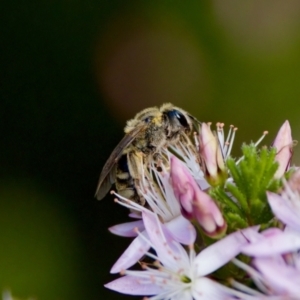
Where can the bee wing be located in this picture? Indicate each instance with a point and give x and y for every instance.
(105, 181)
(107, 176)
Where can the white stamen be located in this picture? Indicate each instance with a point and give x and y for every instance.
(255, 144)
(244, 288)
(226, 146)
(257, 278)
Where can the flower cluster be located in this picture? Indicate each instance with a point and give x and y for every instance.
(214, 227)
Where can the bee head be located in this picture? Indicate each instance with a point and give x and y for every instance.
(176, 121)
(151, 116)
(177, 118)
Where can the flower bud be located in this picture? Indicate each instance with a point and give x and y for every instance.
(195, 203)
(284, 145)
(211, 155)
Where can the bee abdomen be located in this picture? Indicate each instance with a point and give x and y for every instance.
(124, 181)
(126, 189)
(123, 176)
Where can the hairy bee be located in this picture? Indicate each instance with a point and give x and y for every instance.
(145, 135)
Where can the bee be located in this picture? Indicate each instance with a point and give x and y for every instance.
(145, 135)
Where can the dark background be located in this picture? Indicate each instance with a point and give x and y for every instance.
(72, 72)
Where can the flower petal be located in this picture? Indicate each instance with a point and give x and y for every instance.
(287, 279)
(182, 183)
(208, 149)
(135, 215)
(206, 289)
(221, 252)
(194, 202)
(132, 286)
(127, 229)
(208, 214)
(279, 243)
(283, 143)
(167, 249)
(132, 254)
(283, 211)
(182, 230)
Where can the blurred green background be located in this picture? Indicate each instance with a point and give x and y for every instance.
(72, 73)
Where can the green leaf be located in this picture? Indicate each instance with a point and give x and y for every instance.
(243, 200)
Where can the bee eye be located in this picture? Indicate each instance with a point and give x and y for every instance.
(148, 119)
(180, 117)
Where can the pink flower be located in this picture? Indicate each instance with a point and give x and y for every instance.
(286, 207)
(161, 202)
(272, 241)
(194, 202)
(176, 274)
(276, 263)
(273, 276)
(284, 145)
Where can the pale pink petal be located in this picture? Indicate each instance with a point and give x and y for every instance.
(292, 187)
(221, 252)
(135, 215)
(183, 295)
(182, 184)
(267, 233)
(282, 278)
(186, 197)
(132, 254)
(165, 246)
(127, 229)
(206, 289)
(255, 237)
(284, 211)
(133, 286)
(208, 214)
(283, 143)
(212, 154)
(182, 230)
(194, 202)
(282, 242)
(208, 149)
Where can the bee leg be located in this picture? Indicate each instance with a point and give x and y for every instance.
(139, 198)
(128, 193)
(159, 159)
(135, 165)
(136, 169)
(157, 156)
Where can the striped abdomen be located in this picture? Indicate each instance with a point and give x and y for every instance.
(124, 181)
